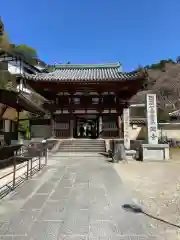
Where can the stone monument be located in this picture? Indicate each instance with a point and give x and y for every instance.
(126, 128)
(153, 150)
(128, 152)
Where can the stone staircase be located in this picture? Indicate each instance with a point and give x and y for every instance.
(82, 145)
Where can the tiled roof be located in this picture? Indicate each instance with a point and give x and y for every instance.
(18, 100)
(94, 72)
(137, 121)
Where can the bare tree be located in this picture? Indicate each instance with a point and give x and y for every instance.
(167, 87)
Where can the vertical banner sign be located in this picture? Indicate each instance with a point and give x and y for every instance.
(152, 119)
(126, 128)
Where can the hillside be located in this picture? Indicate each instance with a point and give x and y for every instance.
(165, 82)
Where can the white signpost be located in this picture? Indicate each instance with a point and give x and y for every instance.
(126, 128)
(152, 119)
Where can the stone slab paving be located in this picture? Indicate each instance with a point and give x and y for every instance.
(76, 197)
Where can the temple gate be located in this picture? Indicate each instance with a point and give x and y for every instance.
(89, 97)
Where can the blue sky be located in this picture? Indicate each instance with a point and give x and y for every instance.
(96, 31)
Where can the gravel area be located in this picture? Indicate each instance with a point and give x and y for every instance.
(156, 187)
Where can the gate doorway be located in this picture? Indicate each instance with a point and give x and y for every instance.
(86, 127)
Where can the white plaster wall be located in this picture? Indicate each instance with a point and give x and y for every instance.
(7, 125)
(14, 67)
(135, 131)
(170, 133)
(141, 131)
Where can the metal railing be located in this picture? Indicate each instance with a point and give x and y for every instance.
(31, 158)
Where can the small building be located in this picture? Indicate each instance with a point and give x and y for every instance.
(14, 98)
(85, 100)
(11, 104)
(16, 65)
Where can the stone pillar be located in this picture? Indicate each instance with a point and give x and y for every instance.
(153, 150)
(100, 125)
(126, 128)
(152, 127)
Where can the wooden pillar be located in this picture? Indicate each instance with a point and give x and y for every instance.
(18, 125)
(71, 125)
(53, 125)
(100, 102)
(119, 120)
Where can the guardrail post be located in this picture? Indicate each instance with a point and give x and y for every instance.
(31, 161)
(39, 162)
(46, 155)
(27, 169)
(14, 172)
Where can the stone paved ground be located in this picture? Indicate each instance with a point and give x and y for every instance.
(156, 187)
(75, 197)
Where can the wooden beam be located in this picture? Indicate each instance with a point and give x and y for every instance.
(53, 107)
(81, 86)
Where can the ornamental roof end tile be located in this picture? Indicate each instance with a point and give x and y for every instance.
(86, 72)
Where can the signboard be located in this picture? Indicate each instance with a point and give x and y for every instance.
(152, 119)
(126, 128)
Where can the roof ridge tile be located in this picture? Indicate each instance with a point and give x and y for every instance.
(87, 66)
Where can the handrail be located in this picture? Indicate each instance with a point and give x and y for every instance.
(30, 156)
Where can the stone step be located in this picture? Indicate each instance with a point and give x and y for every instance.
(87, 148)
(89, 155)
(82, 145)
(87, 142)
(66, 144)
(92, 144)
(76, 151)
(93, 147)
(82, 150)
